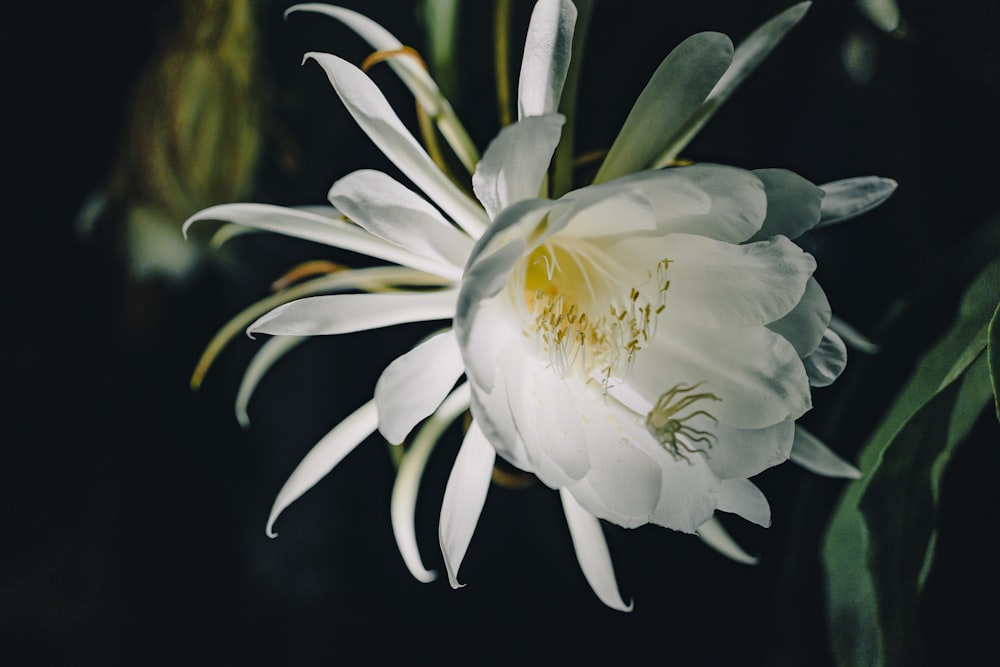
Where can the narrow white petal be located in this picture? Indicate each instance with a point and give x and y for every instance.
(491, 412)
(738, 201)
(346, 313)
(547, 51)
(827, 361)
(604, 211)
(311, 226)
(676, 90)
(411, 470)
(409, 70)
(389, 210)
(373, 114)
(413, 385)
(550, 416)
(268, 354)
(373, 278)
(516, 161)
(748, 55)
(715, 536)
(742, 497)
(852, 197)
(810, 453)
(793, 204)
(323, 457)
(634, 480)
(464, 497)
(592, 552)
(852, 337)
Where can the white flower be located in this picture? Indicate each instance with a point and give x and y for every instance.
(644, 344)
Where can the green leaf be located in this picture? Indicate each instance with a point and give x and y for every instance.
(974, 312)
(899, 506)
(440, 18)
(994, 358)
(880, 542)
(674, 93)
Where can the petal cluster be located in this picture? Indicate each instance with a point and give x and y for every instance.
(624, 342)
(643, 344)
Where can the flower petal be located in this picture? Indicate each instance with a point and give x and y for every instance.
(714, 535)
(747, 452)
(323, 457)
(827, 361)
(755, 372)
(547, 51)
(387, 209)
(676, 90)
(492, 259)
(346, 313)
(516, 161)
(810, 453)
(403, 502)
(742, 497)
(320, 228)
(378, 277)
(268, 354)
(805, 325)
(548, 416)
(720, 284)
(464, 497)
(748, 55)
(373, 114)
(410, 71)
(852, 197)
(413, 386)
(592, 552)
(793, 204)
(716, 201)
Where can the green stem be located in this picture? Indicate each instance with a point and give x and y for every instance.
(562, 173)
(502, 17)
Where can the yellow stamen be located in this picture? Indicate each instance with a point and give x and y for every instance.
(562, 290)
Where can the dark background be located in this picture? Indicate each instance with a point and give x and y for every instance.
(133, 509)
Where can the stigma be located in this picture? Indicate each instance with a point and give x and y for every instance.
(672, 430)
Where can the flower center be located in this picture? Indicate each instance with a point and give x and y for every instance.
(582, 314)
